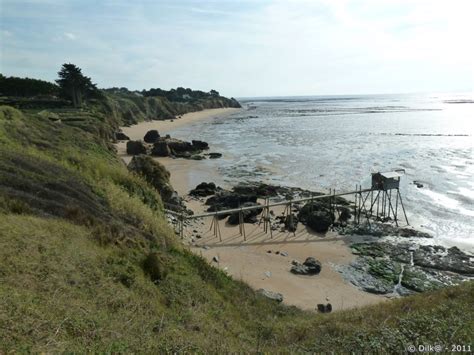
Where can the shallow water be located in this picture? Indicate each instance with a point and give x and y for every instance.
(336, 142)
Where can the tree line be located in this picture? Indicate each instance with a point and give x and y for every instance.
(74, 86)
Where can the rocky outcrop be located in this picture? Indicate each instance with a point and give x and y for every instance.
(135, 148)
(164, 147)
(161, 149)
(199, 145)
(204, 189)
(226, 200)
(382, 230)
(249, 216)
(311, 266)
(317, 215)
(404, 268)
(151, 136)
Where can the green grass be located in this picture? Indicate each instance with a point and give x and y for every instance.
(88, 263)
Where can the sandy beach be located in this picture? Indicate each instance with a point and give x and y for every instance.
(258, 260)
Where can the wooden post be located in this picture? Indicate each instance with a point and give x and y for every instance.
(403, 207)
(355, 206)
(396, 207)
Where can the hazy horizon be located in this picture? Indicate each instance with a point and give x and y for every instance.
(246, 49)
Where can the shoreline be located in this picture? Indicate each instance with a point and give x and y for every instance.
(264, 261)
(185, 173)
(250, 261)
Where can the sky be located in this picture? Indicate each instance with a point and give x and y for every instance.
(245, 48)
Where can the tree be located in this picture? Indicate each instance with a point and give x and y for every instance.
(74, 85)
(214, 93)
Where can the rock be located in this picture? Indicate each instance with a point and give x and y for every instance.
(120, 136)
(198, 236)
(418, 184)
(178, 147)
(205, 247)
(324, 308)
(381, 265)
(271, 295)
(319, 221)
(310, 267)
(199, 145)
(151, 136)
(317, 215)
(382, 230)
(268, 274)
(284, 253)
(215, 259)
(249, 216)
(344, 213)
(440, 258)
(313, 266)
(204, 189)
(197, 157)
(135, 148)
(269, 251)
(227, 200)
(161, 149)
(291, 223)
(214, 155)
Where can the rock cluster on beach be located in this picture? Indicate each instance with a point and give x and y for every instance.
(311, 266)
(156, 145)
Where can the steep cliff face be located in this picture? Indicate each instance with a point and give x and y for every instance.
(132, 108)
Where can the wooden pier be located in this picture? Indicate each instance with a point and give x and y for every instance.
(377, 203)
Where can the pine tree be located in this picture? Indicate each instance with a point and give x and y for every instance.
(74, 85)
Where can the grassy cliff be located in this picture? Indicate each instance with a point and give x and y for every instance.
(88, 262)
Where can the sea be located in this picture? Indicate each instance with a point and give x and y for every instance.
(335, 142)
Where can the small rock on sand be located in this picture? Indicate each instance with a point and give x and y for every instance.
(271, 295)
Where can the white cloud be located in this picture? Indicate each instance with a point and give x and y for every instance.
(250, 48)
(70, 36)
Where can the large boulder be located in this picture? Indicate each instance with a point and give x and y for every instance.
(178, 146)
(161, 149)
(135, 148)
(249, 216)
(153, 172)
(319, 221)
(204, 189)
(317, 215)
(151, 136)
(200, 145)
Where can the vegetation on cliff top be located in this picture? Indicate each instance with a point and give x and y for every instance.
(88, 262)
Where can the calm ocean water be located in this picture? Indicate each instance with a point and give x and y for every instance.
(324, 142)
